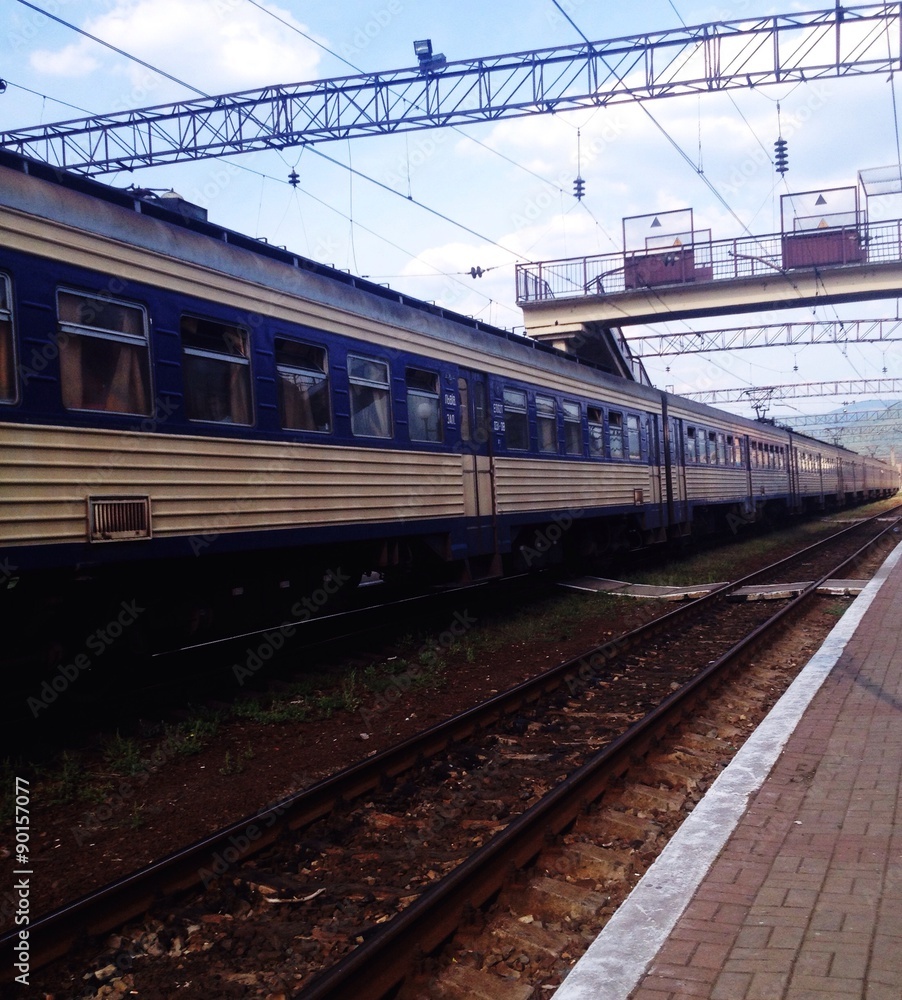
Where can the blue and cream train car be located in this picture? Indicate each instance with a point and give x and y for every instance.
(198, 422)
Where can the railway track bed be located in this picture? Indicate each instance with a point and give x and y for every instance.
(234, 938)
(307, 900)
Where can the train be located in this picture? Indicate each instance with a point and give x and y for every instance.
(200, 430)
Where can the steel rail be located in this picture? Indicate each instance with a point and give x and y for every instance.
(382, 962)
(55, 933)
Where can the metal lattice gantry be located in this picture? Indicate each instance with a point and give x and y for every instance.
(861, 420)
(798, 334)
(801, 390)
(717, 56)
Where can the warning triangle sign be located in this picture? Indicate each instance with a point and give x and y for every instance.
(823, 224)
(677, 242)
(821, 200)
(656, 224)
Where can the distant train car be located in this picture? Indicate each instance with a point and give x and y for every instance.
(211, 430)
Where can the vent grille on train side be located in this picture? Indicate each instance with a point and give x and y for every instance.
(113, 519)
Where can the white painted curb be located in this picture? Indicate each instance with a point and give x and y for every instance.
(615, 962)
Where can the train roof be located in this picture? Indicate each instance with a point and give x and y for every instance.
(173, 212)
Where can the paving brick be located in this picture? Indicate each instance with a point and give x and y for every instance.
(823, 986)
(759, 960)
(805, 900)
(753, 936)
(766, 985)
(731, 986)
(811, 962)
(653, 992)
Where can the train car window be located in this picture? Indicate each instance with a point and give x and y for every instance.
(596, 432)
(104, 354)
(546, 424)
(712, 447)
(655, 441)
(615, 434)
(217, 371)
(8, 386)
(721, 449)
(633, 437)
(515, 420)
(480, 412)
(368, 379)
(424, 418)
(302, 372)
(573, 431)
(691, 451)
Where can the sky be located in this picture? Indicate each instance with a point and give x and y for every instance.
(422, 208)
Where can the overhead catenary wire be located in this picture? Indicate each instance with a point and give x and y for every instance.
(201, 93)
(358, 69)
(264, 176)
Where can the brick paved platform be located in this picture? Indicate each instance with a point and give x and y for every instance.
(785, 883)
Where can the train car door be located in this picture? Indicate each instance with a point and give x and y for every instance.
(675, 471)
(476, 461)
(792, 466)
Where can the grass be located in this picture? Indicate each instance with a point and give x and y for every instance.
(185, 739)
(236, 764)
(725, 562)
(123, 755)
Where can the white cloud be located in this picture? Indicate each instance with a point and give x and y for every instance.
(72, 61)
(217, 46)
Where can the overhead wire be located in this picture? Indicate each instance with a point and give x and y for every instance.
(265, 176)
(109, 45)
(348, 167)
(819, 278)
(201, 93)
(682, 153)
(359, 70)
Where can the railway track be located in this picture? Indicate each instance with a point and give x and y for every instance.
(538, 753)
